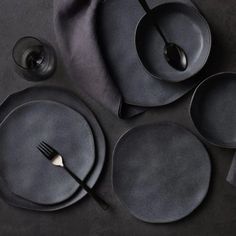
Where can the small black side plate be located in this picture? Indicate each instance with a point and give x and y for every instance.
(213, 109)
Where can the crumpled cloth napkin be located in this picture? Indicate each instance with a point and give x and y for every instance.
(74, 23)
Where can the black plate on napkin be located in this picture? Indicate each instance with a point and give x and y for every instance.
(29, 174)
(116, 25)
(213, 109)
(183, 25)
(161, 172)
(68, 98)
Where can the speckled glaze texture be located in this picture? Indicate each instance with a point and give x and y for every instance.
(161, 172)
(60, 96)
(26, 171)
(215, 216)
(116, 37)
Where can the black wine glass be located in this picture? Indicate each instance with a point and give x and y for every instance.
(35, 59)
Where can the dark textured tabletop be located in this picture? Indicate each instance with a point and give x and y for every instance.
(215, 217)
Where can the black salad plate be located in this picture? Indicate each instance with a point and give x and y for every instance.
(116, 26)
(26, 171)
(161, 172)
(181, 24)
(69, 99)
(213, 109)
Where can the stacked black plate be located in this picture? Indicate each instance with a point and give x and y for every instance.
(133, 50)
(28, 180)
(213, 109)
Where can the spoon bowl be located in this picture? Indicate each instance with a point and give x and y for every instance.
(175, 56)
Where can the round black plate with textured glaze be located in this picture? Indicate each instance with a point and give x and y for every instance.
(161, 172)
(181, 24)
(116, 26)
(26, 171)
(213, 109)
(71, 100)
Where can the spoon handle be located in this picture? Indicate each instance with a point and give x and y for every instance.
(150, 14)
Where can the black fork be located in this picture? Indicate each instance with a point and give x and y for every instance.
(56, 159)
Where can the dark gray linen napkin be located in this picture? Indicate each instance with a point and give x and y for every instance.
(74, 22)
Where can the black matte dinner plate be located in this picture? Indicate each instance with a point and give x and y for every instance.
(161, 172)
(181, 24)
(25, 170)
(116, 26)
(213, 109)
(70, 99)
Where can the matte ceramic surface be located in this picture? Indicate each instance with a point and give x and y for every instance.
(70, 99)
(161, 172)
(181, 24)
(116, 25)
(28, 173)
(213, 109)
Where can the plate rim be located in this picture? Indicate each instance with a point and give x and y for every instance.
(211, 77)
(157, 124)
(100, 143)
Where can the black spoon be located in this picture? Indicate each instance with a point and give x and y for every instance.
(174, 54)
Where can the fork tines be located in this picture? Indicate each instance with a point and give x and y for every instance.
(48, 151)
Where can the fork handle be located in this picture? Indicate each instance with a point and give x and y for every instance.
(99, 200)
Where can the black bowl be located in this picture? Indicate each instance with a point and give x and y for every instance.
(181, 24)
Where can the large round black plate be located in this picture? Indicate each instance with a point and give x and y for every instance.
(213, 109)
(181, 24)
(70, 99)
(29, 174)
(116, 25)
(161, 172)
